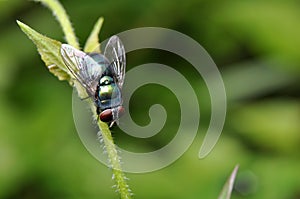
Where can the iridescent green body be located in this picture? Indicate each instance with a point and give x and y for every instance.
(102, 76)
(108, 94)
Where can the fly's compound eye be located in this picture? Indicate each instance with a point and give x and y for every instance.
(106, 115)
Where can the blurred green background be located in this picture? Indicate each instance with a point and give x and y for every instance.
(254, 43)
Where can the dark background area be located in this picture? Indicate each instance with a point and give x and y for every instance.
(255, 45)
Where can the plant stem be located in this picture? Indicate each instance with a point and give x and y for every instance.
(112, 152)
(63, 20)
(114, 159)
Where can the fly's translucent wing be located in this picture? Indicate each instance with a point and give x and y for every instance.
(83, 68)
(115, 53)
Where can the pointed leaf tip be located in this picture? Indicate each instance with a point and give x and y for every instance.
(92, 44)
(227, 189)
(49, 49)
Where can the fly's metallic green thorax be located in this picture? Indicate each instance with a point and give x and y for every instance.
(109, 94)
(102, 76)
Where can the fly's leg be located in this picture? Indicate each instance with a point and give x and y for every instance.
(115, 113)
(111, 124)
(98, 113)
(84, 98)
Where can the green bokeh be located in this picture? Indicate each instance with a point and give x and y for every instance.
(256, 47)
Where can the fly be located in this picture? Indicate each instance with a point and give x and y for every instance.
(101, 75)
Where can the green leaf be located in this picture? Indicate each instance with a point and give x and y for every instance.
(92, 44)
(227, 189)
(49, 50)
